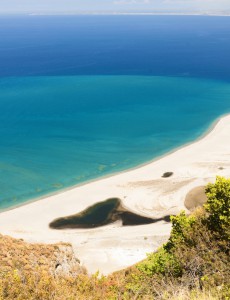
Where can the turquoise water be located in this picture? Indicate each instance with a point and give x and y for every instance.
(85, 96)
(61, 131)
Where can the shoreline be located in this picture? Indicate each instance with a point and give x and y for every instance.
(141, 190)
(210, 128)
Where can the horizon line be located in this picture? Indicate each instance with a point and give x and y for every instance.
(160, 13)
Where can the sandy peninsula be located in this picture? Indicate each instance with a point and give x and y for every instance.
(142, 190)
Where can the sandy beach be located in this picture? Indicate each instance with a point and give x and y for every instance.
(142, 190)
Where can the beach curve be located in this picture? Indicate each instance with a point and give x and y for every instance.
(142, 190)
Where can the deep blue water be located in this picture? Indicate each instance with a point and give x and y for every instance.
(86, 96)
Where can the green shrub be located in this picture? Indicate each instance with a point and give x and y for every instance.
(182, 226)
(161, 262)
(218, 206)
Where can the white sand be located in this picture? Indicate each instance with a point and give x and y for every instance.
(142, 190)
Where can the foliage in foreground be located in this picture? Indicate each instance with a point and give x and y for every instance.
(193, 264)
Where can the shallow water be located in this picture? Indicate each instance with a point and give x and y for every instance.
(61, 126)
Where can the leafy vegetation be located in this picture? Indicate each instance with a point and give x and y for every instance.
(193, 264)
(218, 207)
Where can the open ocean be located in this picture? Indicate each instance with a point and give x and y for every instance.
(85, 96)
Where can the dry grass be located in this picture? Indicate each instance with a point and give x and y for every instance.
(30, 272)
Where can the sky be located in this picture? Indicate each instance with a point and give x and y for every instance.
(78, 6)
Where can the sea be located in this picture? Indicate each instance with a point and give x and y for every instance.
(82, 97)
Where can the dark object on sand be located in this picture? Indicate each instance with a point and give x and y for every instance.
(167, 174)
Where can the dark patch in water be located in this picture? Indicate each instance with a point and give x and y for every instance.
(103, 213)
(130, 219)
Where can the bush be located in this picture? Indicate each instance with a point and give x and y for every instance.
(161, 262)
(182, 226)
(218, 206)
(196, 255)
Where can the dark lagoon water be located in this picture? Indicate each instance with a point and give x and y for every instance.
(103, 213)
(86, 96)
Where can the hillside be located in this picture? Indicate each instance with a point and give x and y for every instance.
(193, 264)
